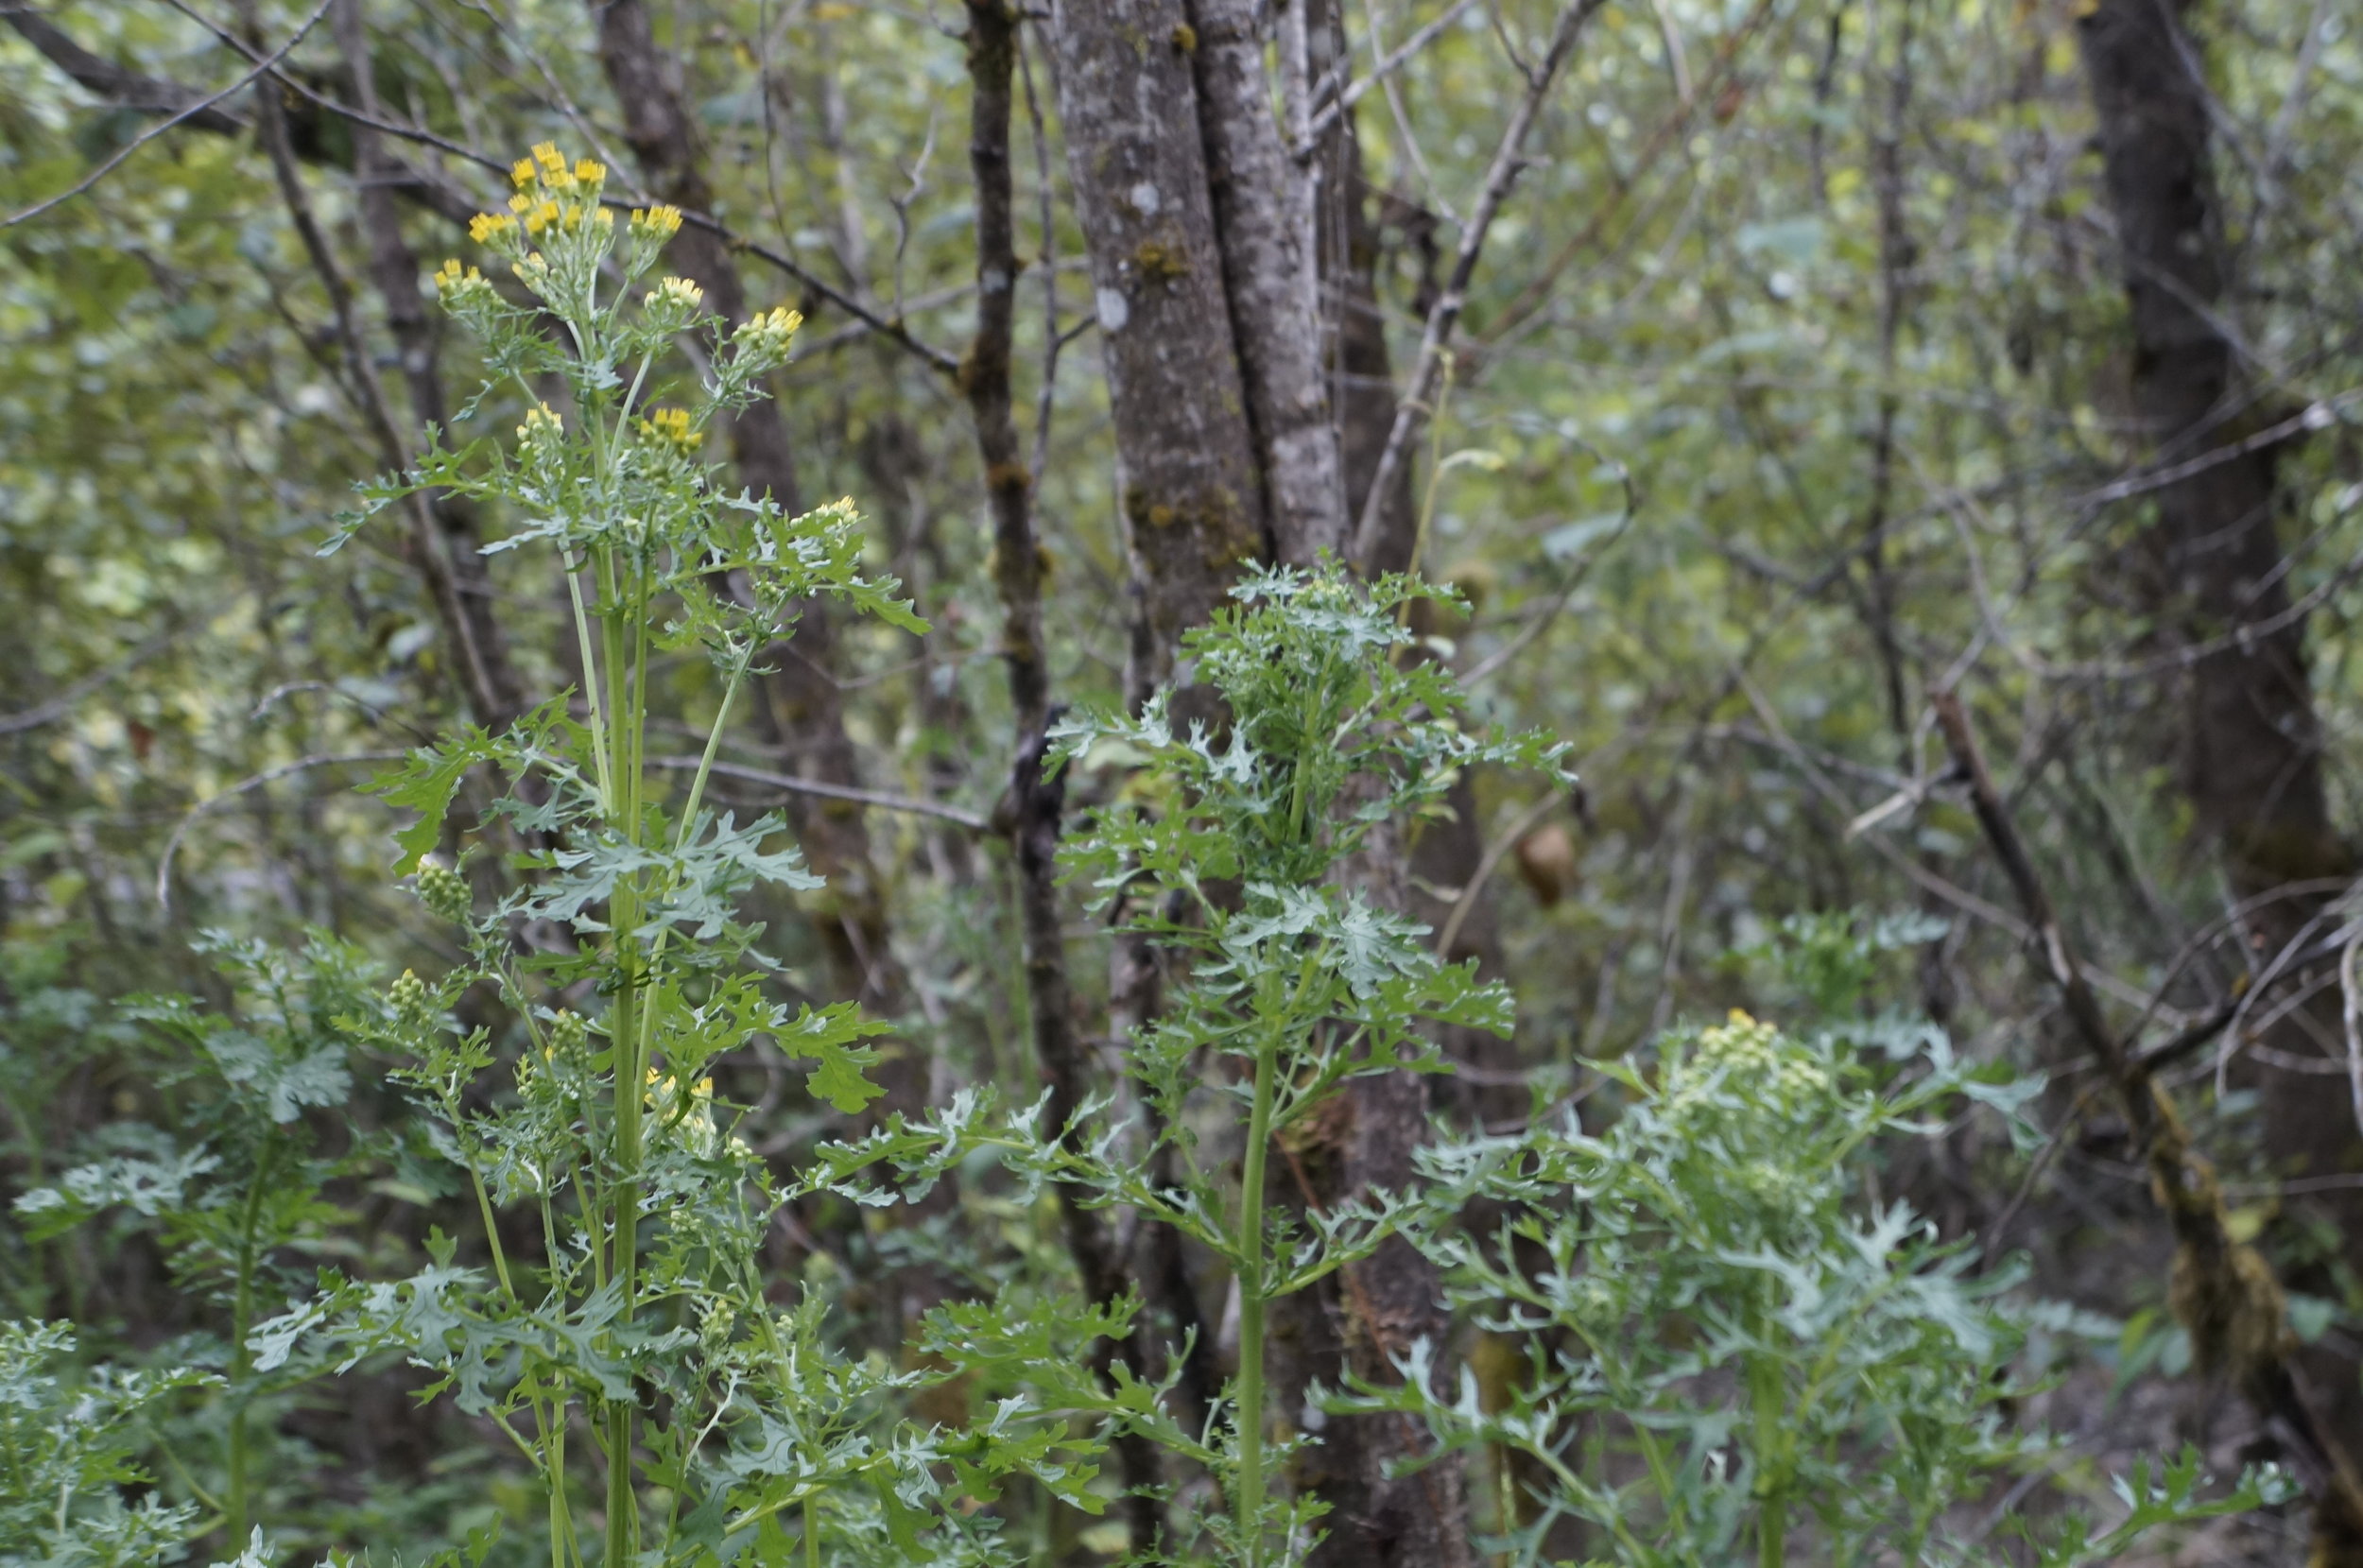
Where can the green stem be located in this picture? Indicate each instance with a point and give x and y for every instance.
(590, 682)
(1771, 1412)
(1251, 1297)
(242, 1359)
(554, 1461)
(630, 1072)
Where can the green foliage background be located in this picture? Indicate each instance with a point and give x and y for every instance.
(1651, 480)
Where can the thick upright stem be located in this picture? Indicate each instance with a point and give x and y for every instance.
(797, 707)
(1254, 1290)
(241, 1364)
(1764, 1394)
(622, 617)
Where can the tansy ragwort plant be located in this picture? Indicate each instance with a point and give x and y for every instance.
(640, 1320)
(236, 1192)
(1733, 1352)
(66, 1446)
(1236, 849)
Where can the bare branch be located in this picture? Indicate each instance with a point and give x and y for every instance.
(188, 112)
(973, 821)
(1427, 373)
(119, 85)
(1332, 109)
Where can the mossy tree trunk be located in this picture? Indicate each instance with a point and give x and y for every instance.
(2216, 569)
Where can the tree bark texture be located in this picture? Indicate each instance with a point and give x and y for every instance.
(2252, 740)
(1363, 1316)
(1263, 206)
(2254, 758)
(1190, 493)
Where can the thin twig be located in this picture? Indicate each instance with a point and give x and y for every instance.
(894, 330)
(1508, 161)
(269, 775)
(1333, 109)
(191, 111)
(971, 820)
(2224, 1292)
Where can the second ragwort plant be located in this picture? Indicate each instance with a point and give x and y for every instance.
(720, 1426)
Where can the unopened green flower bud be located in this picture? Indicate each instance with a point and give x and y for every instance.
(445, 893)
(411, 1000)
(568, 1031)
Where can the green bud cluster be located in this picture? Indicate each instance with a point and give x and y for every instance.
(413, 1003)
(444, 892)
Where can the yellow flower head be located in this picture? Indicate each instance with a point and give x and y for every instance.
(486, 227)
(522, 172)
(552, 160)
(451, 276)
(670, 428)
(589, 171)
(542, 425)
(655, 222)
(768, 332)
(676, 293)
(542, 215)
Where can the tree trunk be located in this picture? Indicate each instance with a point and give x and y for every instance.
(1205, 257)
(2216, 570)
(1191, 497)
(1264, 208)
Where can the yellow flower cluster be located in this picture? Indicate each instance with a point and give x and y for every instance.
(670, 428)
(550, 170)
(768, 332)
(551, 194)
(451, 278)
(545, 214)
(656, 223)
(675, 294)
(1748, 1045)
(542, 425)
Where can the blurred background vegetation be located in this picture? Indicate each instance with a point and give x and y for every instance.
(1797, 376)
